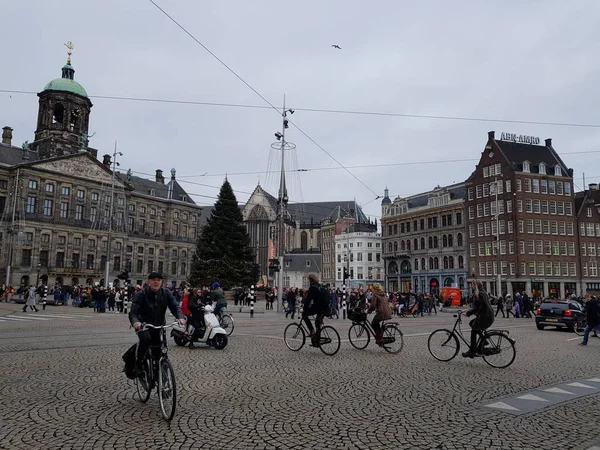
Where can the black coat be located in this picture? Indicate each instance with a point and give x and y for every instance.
(593, 313)
(150, 307)
(482, 309)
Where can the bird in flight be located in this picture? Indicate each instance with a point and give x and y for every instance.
(336, 46)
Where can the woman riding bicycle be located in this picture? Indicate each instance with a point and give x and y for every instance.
(380, 305)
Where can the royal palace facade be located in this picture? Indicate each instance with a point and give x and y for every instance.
(64, 213)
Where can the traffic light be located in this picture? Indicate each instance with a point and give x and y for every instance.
(346, 274)
(274, 265)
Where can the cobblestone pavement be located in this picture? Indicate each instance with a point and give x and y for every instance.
(62, 388)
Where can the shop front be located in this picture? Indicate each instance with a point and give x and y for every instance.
(518, 286)
(553, 290)
(570, 289)
(537, 288)
(434, 286)
(405, 285)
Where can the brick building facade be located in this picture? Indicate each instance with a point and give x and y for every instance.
(522, 220)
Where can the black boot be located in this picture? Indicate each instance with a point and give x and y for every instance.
(472, 351)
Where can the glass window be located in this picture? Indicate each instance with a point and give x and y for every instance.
(49, 187)
(48, 207)
(80, 194)
(64, 209)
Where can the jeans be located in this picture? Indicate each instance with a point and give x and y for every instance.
(586, 332)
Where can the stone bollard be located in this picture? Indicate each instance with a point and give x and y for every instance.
(344, 300)
(125, 294)
(44, 298)
(252, 297)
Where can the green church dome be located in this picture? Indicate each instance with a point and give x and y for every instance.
(66, 83)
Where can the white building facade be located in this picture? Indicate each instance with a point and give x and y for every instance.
(360, 253)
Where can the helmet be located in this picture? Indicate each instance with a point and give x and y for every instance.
(216, 285)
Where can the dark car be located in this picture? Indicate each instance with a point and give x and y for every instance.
(558, 313)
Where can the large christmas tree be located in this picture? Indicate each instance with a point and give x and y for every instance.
(223, 250)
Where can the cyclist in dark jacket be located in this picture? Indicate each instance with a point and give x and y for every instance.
(484, 316)
(150, 306)
(314, 303)
(592, 310)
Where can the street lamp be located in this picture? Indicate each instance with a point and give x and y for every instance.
(37, 281)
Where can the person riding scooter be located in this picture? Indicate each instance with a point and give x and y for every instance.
(196, 321)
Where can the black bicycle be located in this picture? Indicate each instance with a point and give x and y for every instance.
(158, 372)
(360, 333)
(326, 338)
(492, 345)
(226, 321)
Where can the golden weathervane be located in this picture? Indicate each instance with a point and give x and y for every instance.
(70, 48)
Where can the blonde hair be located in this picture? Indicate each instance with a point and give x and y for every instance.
(376, 289)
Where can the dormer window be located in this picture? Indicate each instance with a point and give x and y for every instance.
(526, 166)
(542, 169)
(557, 171)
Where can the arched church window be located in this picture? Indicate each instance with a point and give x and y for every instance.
(74, 120)
(58, 113)
(304, 240)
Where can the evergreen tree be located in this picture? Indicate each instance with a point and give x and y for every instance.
(223, 250)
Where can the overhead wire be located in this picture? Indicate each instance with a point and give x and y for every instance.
(172, 19)
(327, 111)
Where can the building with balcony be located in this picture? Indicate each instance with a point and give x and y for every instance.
(57, 221)
(424, 245)
(522, 219)
(358, 250)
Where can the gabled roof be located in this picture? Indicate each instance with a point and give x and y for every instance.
(170, 191)
(316, 212)
(297, 262)
(11, 155)
(517, 153)
(587, 198)
(456, 191)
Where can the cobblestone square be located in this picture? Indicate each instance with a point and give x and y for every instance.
(62, 388)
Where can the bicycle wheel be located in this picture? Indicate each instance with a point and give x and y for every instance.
(580, 325)
(167, 393)
(392, 340)
(359, 336)
(329, 340)
(498, 349)
(443, 345)
(227, 324)
(143, 385)
(294, 337)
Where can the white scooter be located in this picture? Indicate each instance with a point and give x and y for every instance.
(212, 334)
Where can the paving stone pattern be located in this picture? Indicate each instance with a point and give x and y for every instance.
(61, 387)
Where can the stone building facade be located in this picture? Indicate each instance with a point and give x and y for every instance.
(424, 240)
(55, 200)
(522, 220)
(358, 250)
(587, 208)
(303, 229)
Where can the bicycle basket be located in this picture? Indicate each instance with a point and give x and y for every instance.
(357, 315)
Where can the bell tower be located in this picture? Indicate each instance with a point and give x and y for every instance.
(63, 115)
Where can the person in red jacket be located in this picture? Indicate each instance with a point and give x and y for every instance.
(185, 307)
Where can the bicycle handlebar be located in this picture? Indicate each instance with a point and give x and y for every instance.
(146, 326)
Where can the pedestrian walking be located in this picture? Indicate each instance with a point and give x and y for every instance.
(500, 306)
(30, 300)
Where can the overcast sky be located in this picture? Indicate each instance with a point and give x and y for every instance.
(513, 60)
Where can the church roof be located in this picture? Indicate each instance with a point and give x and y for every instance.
(170, 191)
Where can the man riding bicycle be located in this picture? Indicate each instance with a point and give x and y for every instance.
(217, 296)
(484, 316)
(315, 302)
(150, 306)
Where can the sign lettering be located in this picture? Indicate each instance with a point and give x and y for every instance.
(520, 138)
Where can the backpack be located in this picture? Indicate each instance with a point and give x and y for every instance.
(325, 301)
(129, 359)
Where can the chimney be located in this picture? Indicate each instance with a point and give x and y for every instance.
(7, 135)
(106, 161)
(159, 177)
(549, 142)
(491, 135)
(593, 186)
